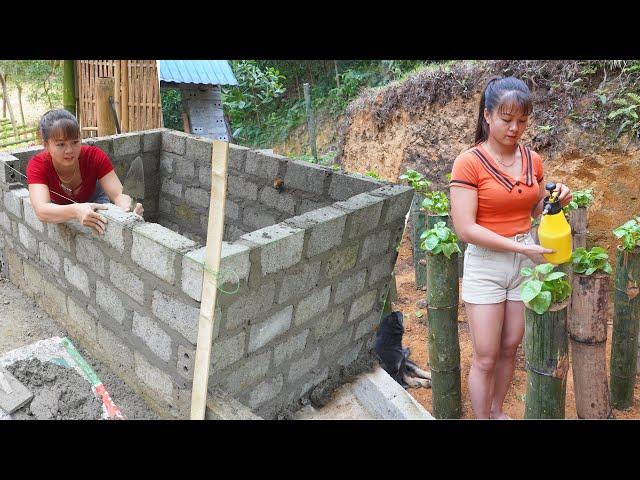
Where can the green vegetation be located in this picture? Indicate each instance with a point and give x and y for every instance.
(543, 287)
(436, 203)
(171, 100)
(629, 232)
(372, 174)
(581, 198)
(416, 181)
(440, 239)
(587, 262)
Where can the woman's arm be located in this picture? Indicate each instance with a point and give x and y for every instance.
(49, 212)
(113, 188)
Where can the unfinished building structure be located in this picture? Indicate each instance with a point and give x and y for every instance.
(303, 275)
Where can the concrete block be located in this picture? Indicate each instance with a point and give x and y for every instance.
(250, 372)
(234, 267)
(306, 176)
(27, 238)
(110, 301)
(165, 206)
(152, 335)
(344, 186)
(301, 367)
(263, 165)
(197, 196)
(375, 244)
(33, 281)
(241, 188)
(312, 304)
(382, 268)
(250, 305)
(155, 248)
(237, 156)
(232, 210)
(305, 205)
(337, 343)
(118, 225)
(280, 246)
(127, 144)
(262, 333)
(77, 276)
(8, 165)
(90, 254)
(227, 351)
(204, 176)
(290, 347)
(166, 163)
(324, 227)
(341, 260)
(350, 286)
(5, 222)
(151, 141)
(180, 316)
(16, 270)
(54, 300)
(104, 143)
(257, 217)
(364, 213)
(174, 142)
(328, 323)
(126, 281)
(154, 378)
(222, 406)
(368, 325)
(300, 282)
(186, 360)
(283, 202)
(13, 200)
(184, 169)
(265, 391)
(351, 355)
(119, 355)
(199, 150)
(79, 322)
(50, 256)
(62, 235)
(362, 305)
(169, 187)
(316, 379)
(397, 203)
(30, 216)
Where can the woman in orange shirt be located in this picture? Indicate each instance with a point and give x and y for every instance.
(496, 187)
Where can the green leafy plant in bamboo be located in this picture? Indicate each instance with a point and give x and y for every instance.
(587, 262)
(629, 232)
(440, 240)
(416, 181)
(436, 203)
(581, 198)
(543, 287)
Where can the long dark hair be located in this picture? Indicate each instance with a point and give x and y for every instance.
(59, 121)
(499, 92)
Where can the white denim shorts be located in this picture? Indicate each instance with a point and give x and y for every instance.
(491, 276)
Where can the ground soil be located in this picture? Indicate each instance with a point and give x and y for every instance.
(415, 337)
(22, 322)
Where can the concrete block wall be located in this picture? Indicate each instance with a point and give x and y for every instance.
(299, 300)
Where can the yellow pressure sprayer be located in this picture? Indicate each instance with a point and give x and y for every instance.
(554, 231)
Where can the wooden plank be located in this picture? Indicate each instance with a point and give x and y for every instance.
(212, 252)
(125, 95)
(104, 90)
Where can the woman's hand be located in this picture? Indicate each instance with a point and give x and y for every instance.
(87, 216)
(138, 210)
(564, 194)
(534, 252)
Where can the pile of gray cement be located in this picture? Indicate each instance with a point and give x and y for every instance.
(59, 393)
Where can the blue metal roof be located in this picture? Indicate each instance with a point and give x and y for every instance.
(203, 72)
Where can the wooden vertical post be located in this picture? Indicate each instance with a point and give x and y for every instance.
(209, 284)
(124, 105)
(69, 93)
(310, 122)
(105, 89)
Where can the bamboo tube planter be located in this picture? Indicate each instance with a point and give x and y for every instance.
(578, 223)
(626, 316)
(547, 361)
(418, 221)
(587, 327)
(443, 344)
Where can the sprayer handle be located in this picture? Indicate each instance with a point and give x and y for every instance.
(551, 186)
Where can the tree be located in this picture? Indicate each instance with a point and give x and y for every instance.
(5, 66)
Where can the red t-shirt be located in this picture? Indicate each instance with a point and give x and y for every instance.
(94, 164)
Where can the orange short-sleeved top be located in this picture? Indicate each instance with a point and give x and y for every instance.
(504, 202)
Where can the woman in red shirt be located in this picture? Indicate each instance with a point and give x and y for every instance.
(496, 187)
(70, 180)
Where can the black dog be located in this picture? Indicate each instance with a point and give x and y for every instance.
(394, 358)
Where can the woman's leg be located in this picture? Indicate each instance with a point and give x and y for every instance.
(512, 332)
(485, 325)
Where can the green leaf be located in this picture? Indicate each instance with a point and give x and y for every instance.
(419, 314)
(431, 242)
(530, 289)
(526, 271)
(590, 270)
(554, 276)
(607, 268)
(540, 304)
(544, 268)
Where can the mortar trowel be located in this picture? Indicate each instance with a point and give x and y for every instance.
(134, 183)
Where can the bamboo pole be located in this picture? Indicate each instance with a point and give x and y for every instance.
(69, 92)
(418, 223)
(212, 253)
(626, 316)
(587, 328)
(124, 82)
(443, 343)
(547, 361)
(578, 223)
(104, 90)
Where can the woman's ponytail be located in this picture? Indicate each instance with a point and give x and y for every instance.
(482, 127)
